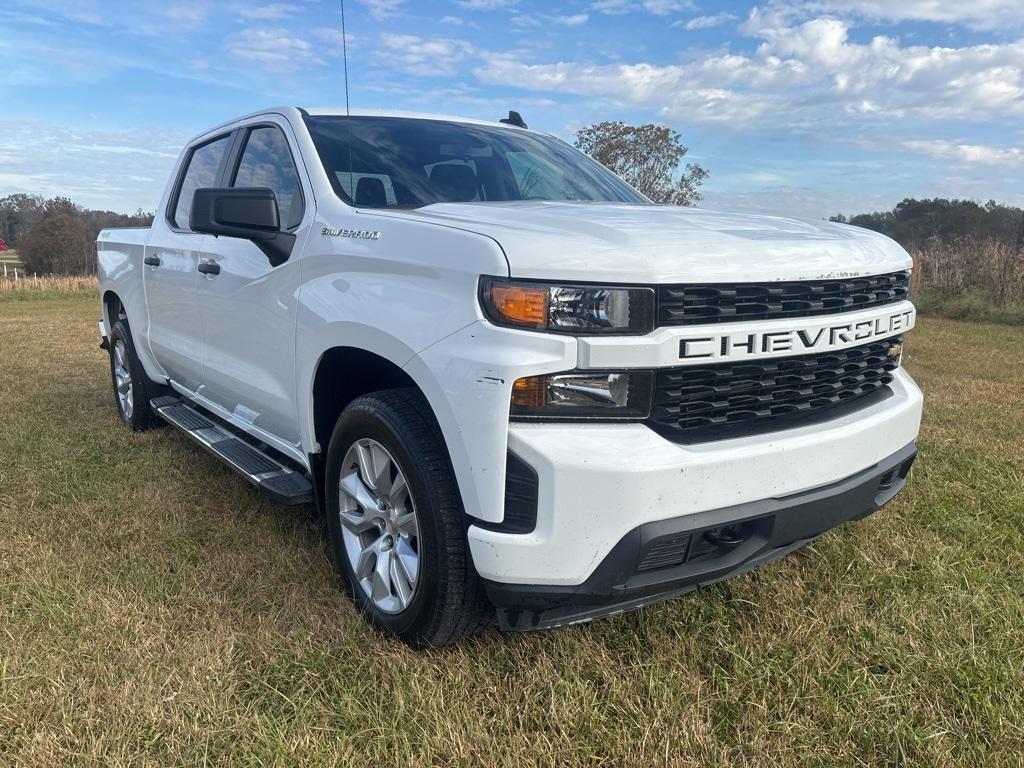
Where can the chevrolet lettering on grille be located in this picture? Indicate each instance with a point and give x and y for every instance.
(731, 346)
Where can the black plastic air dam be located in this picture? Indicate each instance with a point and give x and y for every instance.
(694, 550)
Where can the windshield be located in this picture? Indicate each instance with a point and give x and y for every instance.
(396, 162)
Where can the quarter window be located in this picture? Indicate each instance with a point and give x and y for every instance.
(267, 162)
(203, 165)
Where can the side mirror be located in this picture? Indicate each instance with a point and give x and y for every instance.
(246, 213)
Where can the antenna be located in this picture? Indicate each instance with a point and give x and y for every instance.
(344, 55)
(348, 114)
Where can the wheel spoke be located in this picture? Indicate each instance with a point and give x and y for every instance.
(382, 577)
(398, 491)
(405, 554)
(367, 471)
(382, 470)
(356, 489)
(407, 524)
(367, 559)
(400, 582)
(357, 523)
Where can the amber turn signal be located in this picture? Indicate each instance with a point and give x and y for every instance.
(521, 305)
(530, 392)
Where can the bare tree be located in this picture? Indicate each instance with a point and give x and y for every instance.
(647, 156)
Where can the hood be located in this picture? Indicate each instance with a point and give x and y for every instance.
(609, 242)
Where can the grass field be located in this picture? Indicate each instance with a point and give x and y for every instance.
(155, 610)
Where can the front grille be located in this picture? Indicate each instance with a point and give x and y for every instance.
(733, 302)
(712, 402)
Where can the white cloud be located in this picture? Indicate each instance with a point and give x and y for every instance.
(526, 20)
(271, 11)
(382, 9)
(656, 7)
(334, 37)
(453, 20)
(975, 154)
(707, 22)
(436, 56)
(186, 13)
(977, 14)
(573, 21)
(275, 49)
(119, 170)
(665, 7)
(486, 5)
(612, 7)
(799, 75)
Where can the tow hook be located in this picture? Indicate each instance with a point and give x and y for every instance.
(726, 538)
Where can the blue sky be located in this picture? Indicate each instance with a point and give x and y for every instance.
(797, 107)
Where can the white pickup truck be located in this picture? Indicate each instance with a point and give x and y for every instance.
(517, 389)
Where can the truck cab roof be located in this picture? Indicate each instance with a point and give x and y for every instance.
(296, 113)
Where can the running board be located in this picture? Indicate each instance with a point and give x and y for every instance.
(283, 484)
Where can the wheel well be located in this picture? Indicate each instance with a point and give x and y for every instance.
(114, 308)
(345, 373)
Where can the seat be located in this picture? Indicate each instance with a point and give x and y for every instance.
(370, 193)
(453, 183)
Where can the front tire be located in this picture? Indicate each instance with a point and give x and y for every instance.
(132, 387)
(396, 522)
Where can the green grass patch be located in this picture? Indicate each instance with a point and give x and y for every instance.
(156, 610)
(969, 306)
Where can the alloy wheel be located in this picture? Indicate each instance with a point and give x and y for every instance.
(379, 525)
(123, 379)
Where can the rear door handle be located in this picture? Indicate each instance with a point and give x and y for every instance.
(209, 267)
(151, 261)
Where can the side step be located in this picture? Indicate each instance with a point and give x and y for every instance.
(283, 484)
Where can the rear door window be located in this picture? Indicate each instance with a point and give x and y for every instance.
(203, 165)
(267, 162)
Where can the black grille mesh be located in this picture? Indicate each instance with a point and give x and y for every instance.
(665, 552)
(706, 402)
(729, 302)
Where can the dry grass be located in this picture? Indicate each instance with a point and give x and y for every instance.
(970, 279)
(46, 286)
(155, 610)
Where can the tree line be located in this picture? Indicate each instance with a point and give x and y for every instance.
(55, 236)
(916, 223)
(968, 257)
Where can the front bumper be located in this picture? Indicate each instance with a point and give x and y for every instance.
(597, 482)
(662, 559)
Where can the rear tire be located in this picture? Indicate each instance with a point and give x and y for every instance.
(132, 387)
(396, 522)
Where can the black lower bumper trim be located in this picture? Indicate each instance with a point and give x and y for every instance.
(666, 558)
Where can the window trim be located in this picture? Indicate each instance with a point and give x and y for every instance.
(238, 150)
(179, 182)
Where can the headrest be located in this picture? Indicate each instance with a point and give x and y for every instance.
(453, 183)
(370, 192)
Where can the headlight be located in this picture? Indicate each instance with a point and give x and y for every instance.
(578, 309)
(591, 395)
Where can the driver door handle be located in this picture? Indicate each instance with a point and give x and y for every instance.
(209, 267)
(151, 261)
